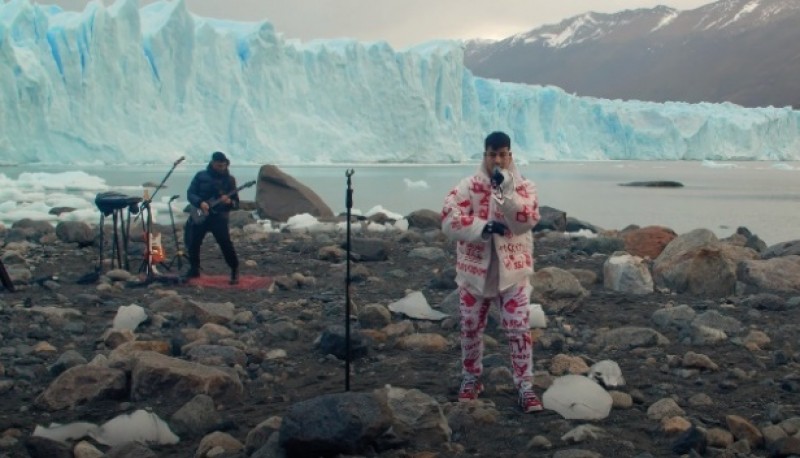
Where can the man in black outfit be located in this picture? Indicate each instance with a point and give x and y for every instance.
(215, 182)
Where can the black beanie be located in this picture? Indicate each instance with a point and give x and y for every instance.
(219, 157)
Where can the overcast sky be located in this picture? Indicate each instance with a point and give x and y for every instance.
(404, 22)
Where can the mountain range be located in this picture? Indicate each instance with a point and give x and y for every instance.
(742, 51)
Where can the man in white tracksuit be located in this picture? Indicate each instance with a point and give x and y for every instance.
(491, 215)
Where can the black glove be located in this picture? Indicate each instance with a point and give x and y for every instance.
(495, 227)
(497, 177)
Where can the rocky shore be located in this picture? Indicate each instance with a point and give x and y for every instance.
(704, 332)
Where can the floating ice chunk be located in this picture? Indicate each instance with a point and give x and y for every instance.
(576, 397)
(608, 373)
(307, 223)
(129, 317)
(139, 426)
(717, 165)
(416, 306)
(64, 433)
(379, 209)
(401, 225)
(411, 184)
(537, 318)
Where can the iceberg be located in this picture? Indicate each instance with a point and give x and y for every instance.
(121, 84)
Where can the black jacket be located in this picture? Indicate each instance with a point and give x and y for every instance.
(209, 184)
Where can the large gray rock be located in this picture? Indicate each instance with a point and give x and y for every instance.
(698, 263)
(424, 219)
(782, 249)
(551, 219)
(158, 377)
(82, 384)
(279, 196)
(343, 423)
(776, 274)
(416, 417)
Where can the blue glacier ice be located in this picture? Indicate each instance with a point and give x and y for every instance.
(123, 84)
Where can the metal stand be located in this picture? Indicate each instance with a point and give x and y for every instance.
(147, 226)
(348, 280)
(115, 204)
(179, 253)
(7, 283)
(147, 265)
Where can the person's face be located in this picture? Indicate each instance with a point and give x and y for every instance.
(500, 157)
(219, 166)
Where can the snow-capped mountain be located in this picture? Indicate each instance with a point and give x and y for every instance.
(741, 51)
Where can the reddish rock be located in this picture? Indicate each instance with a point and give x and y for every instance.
(648, 241)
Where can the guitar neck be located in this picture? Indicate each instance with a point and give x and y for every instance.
(214, 202)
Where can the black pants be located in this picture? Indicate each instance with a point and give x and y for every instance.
(218, 226)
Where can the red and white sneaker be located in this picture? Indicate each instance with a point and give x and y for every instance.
(528, 399)
(471, 387)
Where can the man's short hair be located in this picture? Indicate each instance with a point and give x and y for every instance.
(497, 140)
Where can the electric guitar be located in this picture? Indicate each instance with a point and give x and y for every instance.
(198, 216)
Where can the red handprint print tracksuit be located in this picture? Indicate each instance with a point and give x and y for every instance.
(493, 268)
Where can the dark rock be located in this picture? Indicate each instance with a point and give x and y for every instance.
(765, 301)
(59, 210)
(444, 279)
(654, 184)
(333, 342)
(344, 423)
(39, 447)
(691, 439)
(604, 245)
(782, 249)
(424, 219)
(369, 250)
(551, 219)
(75, 232)
(130, 450)
(575, 225)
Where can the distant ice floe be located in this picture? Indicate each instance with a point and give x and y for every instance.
(718, 165)
(782, 166)
(411, 184)
(33, 195)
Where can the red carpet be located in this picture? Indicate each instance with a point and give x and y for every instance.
(221, 281)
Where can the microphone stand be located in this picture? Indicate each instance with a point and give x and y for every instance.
(7, 283)
(349, 205)
(147, 223)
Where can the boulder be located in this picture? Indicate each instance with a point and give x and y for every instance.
(424, 219)
(551, 219)
(648, 241)
(279, 197)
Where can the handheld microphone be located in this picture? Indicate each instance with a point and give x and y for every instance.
(497, 177)
(180, 159)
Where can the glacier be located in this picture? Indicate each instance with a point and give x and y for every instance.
(121, 84)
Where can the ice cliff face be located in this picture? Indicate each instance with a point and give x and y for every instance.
(120, 84)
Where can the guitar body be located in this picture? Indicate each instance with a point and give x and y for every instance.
(196, 215)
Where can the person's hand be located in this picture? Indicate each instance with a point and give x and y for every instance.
(225, 200)
(204, 207)
(495, 227)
